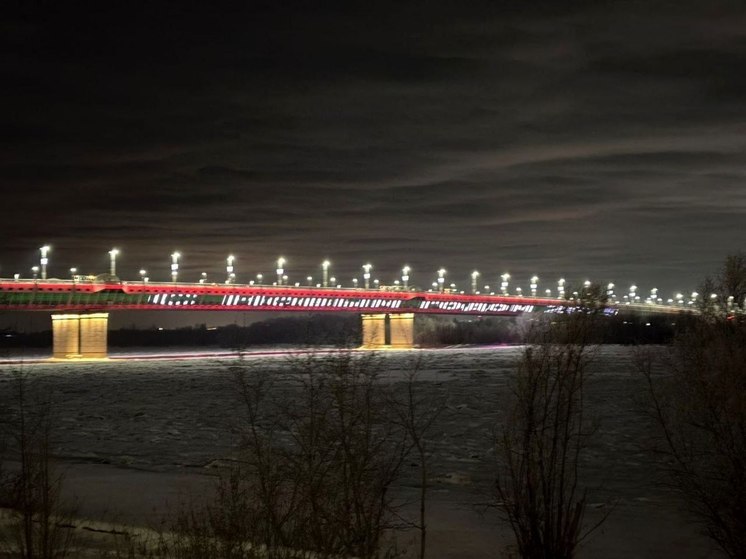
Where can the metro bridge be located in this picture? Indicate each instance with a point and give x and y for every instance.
(80, 308)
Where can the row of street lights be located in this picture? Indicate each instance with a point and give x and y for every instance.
(439, 285)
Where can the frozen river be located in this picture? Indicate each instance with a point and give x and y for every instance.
(176, 417)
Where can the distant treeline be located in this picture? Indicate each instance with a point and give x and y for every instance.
(345, 330)
(627, 330)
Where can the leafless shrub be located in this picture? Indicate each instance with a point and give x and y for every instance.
(539, 487)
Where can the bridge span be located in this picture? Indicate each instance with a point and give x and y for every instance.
(80, 309)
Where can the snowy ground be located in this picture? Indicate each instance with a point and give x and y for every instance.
(134, 434)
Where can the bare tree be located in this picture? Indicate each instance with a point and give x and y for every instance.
(725, 293)
(417, 413)
(538, 486)
(321, 455)
(697, 392)
(40, 526)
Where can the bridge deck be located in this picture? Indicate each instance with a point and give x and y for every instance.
(75, 296)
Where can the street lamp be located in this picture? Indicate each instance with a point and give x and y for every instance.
(366, 275)
(35, 271)
(610, 291)
(376, 283)
(259, 278)
(44, 261)
(354, 283)
(474, 276)
(113, 261)
(441, 279)
(229, 269)
(632, 292)
(504, 279)
(280, 269)
(143, 276)
(405, 277)
(73, 271)
(561, 288)
(333, 280)
(534, 285)
(203, 277)
(325, 273)
(175, 266)
(309, 279)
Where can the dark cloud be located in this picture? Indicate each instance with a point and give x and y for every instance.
(601, 140)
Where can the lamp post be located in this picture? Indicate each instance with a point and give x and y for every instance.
(441, 279)
(259, 278)
(376, 283)
(325, 273)
(44, 261)
(280, 269)
(175, 266)
(333, 281)
(354, 283)
(504, 283)
(229, 269)
(561, 288)
(474, 276)
(534, 285)
(113, 261)
(309, 279)
(35, 271)
(144, 276)
(632, 293)
(405, 277)
(366, 275)
(73, 271)
(610, 291)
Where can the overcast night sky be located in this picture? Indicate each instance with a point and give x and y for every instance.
(602, 140)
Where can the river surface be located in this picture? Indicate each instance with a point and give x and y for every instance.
(154, 424)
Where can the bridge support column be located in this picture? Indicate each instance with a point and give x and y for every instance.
(374, 330)
(76, 336)
(381, 331)
(401, 329)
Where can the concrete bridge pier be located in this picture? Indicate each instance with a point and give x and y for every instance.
(76, 336)
(388, 331)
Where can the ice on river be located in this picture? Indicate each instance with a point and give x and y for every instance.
(176, 415)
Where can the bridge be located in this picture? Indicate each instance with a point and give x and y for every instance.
(80, 308)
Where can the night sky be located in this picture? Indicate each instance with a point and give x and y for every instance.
(591, 140)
